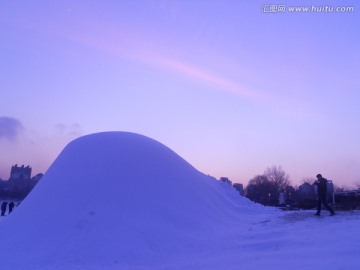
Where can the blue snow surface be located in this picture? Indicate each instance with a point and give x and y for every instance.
(120, 200)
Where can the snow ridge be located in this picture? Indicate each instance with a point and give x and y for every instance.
(118, 198)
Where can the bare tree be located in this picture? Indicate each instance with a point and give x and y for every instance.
(278, 177)
(308, 180)
(339, 189)
(261, 190)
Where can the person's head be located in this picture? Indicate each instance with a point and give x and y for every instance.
(319, 176)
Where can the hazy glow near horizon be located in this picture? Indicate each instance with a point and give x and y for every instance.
(229, 87)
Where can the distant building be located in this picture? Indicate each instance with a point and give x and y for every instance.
(34, 180)
(330, 187)
(20, 182)
(306, 196)
(19, 173)
(348, 199)
(2, 183)
(226, 180)
(239, 187)
(19, 178)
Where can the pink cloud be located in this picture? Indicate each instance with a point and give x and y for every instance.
(125, 41)
(210, 78)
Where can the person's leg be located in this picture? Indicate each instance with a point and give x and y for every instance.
(318, 207)
(328, 207)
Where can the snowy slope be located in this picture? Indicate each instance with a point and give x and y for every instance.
(124, 201)
(120, 200)
(288, 240)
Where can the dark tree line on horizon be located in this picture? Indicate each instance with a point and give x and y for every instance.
(266, 189)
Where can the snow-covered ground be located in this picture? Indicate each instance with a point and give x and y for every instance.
(124, 201)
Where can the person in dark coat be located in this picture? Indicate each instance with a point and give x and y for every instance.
(3, 208)
(321, 184)
(11, 206)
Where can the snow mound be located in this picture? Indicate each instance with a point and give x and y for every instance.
(117, 198)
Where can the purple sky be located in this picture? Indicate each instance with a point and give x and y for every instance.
(230, 88)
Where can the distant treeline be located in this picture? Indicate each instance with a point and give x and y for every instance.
(272, 188)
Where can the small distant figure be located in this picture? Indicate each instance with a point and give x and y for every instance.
(321, 184)
(3, 208)
(11, 206)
